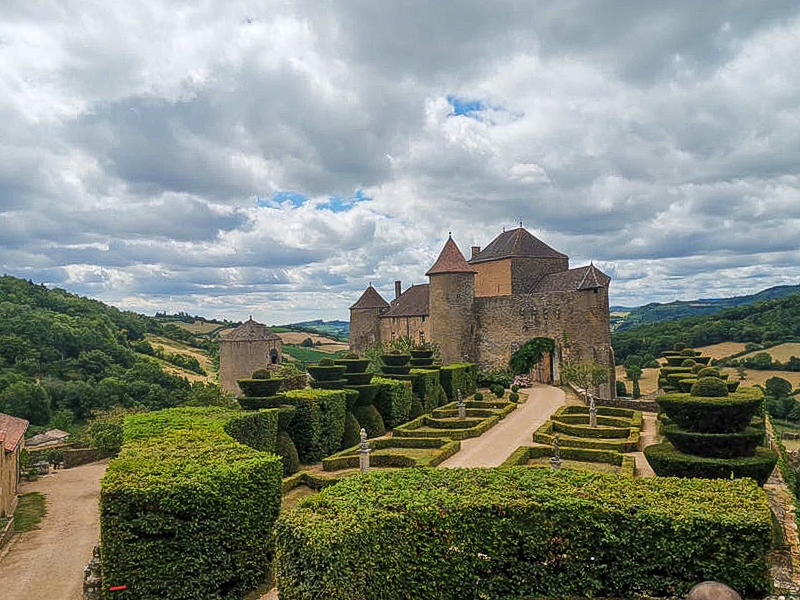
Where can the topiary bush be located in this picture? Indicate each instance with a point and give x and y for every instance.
(461, 377)
(259, 388)
(393, 400)
(715, 445)
(449, 534)
(370, 419)
(712, 415)
(416, 408)
(708, 372)
(689, 362)
(515, 388)
(478, 397)
(513, 397)
(318, 424)
(667, 461)
(621, 390)
(261, 374)
(709, 387)
(285, 448)
(426, 387)
(352, 431)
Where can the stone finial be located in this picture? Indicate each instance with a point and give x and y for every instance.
(712, 590)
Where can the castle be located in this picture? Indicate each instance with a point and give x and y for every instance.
(246, 349)
(484, 309)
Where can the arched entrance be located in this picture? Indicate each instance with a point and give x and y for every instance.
(273, 357)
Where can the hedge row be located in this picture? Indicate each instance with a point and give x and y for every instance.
(461, 377)
(317, 427)
(717, 445)
(348, 459)
(393, 400)
(426, 426)
(428, 389)
(501, 409)
(521, 456)
(606, 415)
(600, 432)
(727, 413)
(185, 510)
(669, 462)
(443, 534)
(544, 435)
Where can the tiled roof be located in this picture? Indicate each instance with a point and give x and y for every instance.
(582, 278)
(414, 302)
(12, 431)
(450, 261)
(516, 243)
(250, 331)
(370, 299)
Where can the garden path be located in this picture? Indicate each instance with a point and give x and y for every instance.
(48, 562)
(649, 436)
(497, 444)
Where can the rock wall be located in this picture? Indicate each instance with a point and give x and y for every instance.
(364, 328)
(452, 296)
(238, 360)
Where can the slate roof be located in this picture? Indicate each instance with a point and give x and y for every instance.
(516, 243)
(12, 430)
(450, 261)
(370, 299)
(250, 331)
(582, 278)
(414, 302)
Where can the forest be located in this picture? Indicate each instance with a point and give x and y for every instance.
(63, 357)
(764, 323)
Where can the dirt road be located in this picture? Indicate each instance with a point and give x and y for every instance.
(497, 444)
(48, 562)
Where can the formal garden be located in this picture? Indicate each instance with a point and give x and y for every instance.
(192, 506)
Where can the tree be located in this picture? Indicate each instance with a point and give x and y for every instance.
(27, 401)
(634, 373)
(583, 375)
(777, 387)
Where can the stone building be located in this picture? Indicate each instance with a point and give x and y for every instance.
(12, 441)
(246, 349)
(484, 309)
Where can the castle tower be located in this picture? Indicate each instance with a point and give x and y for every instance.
(365, 328)
(246, 349)
(452, 292)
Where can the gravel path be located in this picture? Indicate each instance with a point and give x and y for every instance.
(48, 562)
(649, 436)
(497, 444)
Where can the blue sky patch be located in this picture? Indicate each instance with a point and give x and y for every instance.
(295, 198)
(338, 204)
(465, 106)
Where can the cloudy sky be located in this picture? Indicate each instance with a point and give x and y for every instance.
(272, 158)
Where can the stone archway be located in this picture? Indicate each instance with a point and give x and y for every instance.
(274, 357)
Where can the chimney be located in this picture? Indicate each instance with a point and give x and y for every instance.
(475, 251)
(397, 289)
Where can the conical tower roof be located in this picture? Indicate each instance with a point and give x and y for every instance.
(370, 299)
(450, 261)
(250, 331)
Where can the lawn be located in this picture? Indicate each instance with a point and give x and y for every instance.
(30, 510)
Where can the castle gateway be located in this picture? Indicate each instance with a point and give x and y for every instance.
(484, 309)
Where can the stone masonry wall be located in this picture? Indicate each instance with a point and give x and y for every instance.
(405, 326)
(238, 360)
(452, 321)
(493, 278)
(577, 321)
(364, 328)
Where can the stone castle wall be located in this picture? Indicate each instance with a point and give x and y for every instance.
(364, 328)
(417, 328)
(239, 360)
(452, 297)
(493, 278)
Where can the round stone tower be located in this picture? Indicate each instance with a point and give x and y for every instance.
(452, 293)
(365, 320)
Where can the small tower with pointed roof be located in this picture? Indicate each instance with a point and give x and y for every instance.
(452, 293)
(245, 350)
(365, 319)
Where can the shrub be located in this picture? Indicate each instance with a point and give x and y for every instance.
(515, 388)
(261, 374)
(622, 391)
(327, 362)
(513, 397)
(689, 362)
(352, 431)
(461, 377)
(255, 429)
(708, 372)
(688, 352)
(426, 387)
(709, 387)
(318, 424)
(189, 514)
(416, 408)
(717, 445)
(667, 461)
(370, 420)
(478, 397)
(499, 391)
(712, 415)
(293, 378)
(443, 534)
(697, 368)
(285, 448)
(259, 388)
(393, 400)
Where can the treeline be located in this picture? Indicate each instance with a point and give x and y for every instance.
(68, 355)
(766, 323)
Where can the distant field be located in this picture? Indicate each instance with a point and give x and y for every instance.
(722, 350)
(326, 344)
(197, 328)
(307, 355)
(647, 384)
(173, 347)
(782, 352)
(759, 377)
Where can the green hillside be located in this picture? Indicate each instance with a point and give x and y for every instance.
(680, 309)
(65, 355)
(764, 323)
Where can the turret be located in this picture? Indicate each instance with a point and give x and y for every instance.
(365, 319)
(452, 292)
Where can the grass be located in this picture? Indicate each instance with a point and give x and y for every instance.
(648, 383)
(292, 497)
(781, 352)
(3, 521)
(29, 513)
(759, 377)
(722, 349)
(307, 355)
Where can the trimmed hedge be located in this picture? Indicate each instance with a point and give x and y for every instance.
(318, 424)
(348, 459)
(709, 387)
(476, 409)
(285, 448)
(258, 430)
(426, 426)
(258, 403)
(370, 419)
(189, 513)
(449, 534)
(393, 400)
(712, 415)
(259, 388)
(459, 376)
(521, 456)
(669, 462)
(544, 435)
(717, 445)
(352, 430)
(426, 387)
(601, 431)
